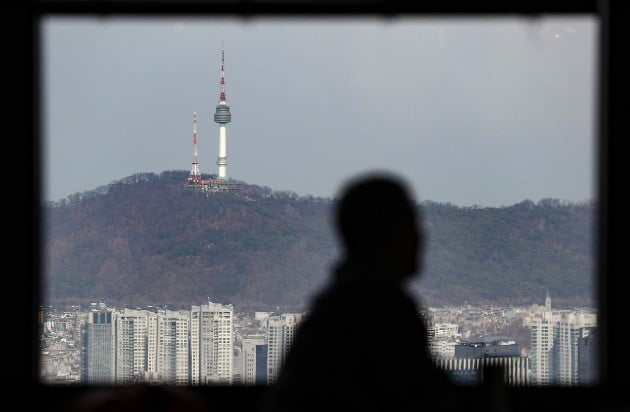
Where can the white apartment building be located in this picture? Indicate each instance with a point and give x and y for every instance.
(152, 342)
(541, 344)
(567, 331)
(175, 347)
(212, 360)
(554, 346)
(172, 354)
(280, 333)
(131, 345)
(193, 341)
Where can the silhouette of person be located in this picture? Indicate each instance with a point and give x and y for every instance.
(362, 346)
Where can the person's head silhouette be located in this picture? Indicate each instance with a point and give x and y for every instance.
(378, 225)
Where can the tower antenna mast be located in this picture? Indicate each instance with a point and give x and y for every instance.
(195, 174)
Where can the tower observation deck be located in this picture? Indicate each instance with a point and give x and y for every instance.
(222, 116)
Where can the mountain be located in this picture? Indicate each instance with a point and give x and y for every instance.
(147, 239)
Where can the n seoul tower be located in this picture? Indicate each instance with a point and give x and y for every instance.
(222, 117)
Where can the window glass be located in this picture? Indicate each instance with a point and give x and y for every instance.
(191, 165)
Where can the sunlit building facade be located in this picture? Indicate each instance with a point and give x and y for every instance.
(212, 329)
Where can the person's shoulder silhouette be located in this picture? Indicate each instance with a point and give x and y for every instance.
(362, 345)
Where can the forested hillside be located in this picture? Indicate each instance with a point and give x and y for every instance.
(147, 239)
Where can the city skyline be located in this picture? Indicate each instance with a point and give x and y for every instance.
(472, 111)
(213, 344)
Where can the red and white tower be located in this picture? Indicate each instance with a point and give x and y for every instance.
(195, 175)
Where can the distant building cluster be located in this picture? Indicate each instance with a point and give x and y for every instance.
(185, 347)
(210, 344)
(563, 347)
(561, 344)
(464, 360)
(60, 353)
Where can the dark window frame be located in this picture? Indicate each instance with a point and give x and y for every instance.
(23, 26)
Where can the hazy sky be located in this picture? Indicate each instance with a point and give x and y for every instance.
(483, 112)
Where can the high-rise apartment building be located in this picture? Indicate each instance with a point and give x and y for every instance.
(172, 349)
(211, 337)
(541, 329)
(555, 349)
(175, 347)
(132, 328)
(568, 330)
(98, 348)
(152, 344)
(281, 330)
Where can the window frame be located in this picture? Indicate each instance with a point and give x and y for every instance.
(28, 100)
